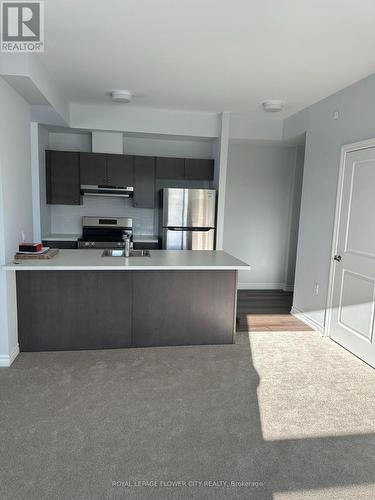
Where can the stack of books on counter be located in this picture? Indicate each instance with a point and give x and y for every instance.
(35, 251)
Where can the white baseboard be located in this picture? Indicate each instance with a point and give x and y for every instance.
(6, 360)
(265, 286)
(315, 325)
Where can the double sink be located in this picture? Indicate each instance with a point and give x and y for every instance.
(121, 253)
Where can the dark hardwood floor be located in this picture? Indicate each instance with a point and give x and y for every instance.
(266, 310)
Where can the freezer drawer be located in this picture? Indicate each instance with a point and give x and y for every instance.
(188, 239)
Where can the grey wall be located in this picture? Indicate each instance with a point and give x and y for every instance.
(261, 206)
(324, 138)
(168, 146)
(15, 200)
(295, 205)
(66, 141)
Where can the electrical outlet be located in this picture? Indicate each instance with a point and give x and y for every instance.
(316, 288)
(22, 236)
(336, 115)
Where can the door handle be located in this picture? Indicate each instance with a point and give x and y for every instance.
(337, 258)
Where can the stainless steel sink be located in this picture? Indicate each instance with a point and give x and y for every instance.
(121, 253)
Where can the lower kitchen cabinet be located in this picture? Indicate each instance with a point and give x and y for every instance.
(63, 244)
(183, 307)
(105, 309)
(146, 246)
(67, 310)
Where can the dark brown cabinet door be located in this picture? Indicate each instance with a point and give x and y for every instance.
(120, 170)
(62, 178)
(93, 169)
(183, 307)
(74, 310)
(144, 182)
(170, 168)
(199, 169)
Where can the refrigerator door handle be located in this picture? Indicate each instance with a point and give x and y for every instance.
(189, 228)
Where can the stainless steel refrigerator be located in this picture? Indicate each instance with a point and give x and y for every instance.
(188, 219)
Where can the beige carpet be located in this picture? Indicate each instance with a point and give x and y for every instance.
(291, 417)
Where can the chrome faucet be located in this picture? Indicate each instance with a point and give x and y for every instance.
(126, 239)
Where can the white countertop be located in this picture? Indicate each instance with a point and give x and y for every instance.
(67, 260)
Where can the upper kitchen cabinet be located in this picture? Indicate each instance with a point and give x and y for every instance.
(62, 178)
(120, 171)
(93, 169)
(199, 169)
(99, 169)
(144, 182)
(170, 168)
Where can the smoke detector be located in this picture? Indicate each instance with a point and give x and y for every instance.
(273, 106)
(123, 96)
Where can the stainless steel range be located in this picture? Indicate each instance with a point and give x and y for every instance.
(105, 232)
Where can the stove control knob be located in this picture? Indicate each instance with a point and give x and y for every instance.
(87, 244)
(93, 244)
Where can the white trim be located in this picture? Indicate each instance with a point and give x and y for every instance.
(265, 286)
(348, 148)
(308, 320)
(6, 360)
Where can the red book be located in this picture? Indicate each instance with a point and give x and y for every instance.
(30, 247)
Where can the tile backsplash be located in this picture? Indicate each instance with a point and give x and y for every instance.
(67, 219)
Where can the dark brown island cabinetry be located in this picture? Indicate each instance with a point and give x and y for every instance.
(74, 309)
(62, 178)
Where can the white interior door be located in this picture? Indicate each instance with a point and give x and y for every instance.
(353, 295)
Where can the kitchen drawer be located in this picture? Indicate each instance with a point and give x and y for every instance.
(63, 244)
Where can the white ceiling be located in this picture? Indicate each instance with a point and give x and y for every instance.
(209, 55)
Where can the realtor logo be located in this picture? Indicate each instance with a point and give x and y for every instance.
(22, 26)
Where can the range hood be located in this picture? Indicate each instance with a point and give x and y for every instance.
(117, 191)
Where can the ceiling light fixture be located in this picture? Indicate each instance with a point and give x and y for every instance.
(273, 106)
(123, 96)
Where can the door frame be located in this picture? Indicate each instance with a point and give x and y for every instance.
(347, 148)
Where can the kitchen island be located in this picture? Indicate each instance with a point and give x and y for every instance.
(81, 300)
